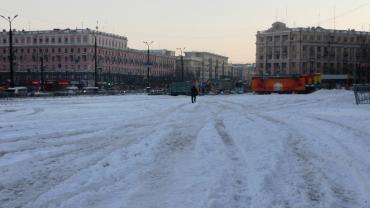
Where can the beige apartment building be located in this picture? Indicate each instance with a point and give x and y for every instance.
(204, 65)
(339, 55)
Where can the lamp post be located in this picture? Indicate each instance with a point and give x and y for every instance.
(95, 62)
(42, 72)
(182, 62)
(148, 61)
(11, 58)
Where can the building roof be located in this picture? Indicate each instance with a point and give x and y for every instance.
(281, 27)
(62, 31)
(205, 53)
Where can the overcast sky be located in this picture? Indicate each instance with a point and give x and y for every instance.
(227, 27)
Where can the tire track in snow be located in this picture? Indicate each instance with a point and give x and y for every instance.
(352, 157)
(301, 164)
(49, 172)
(355, 131)
(238, 179)
(169, 156)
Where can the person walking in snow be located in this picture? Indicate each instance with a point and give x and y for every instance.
(194, 93)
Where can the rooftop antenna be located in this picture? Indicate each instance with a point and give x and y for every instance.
(276, 15)
(97, 26)
(286, 14)
(319, 20)
(334, 19)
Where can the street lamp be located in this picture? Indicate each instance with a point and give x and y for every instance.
(182, 62)
(148, 61)
(11, 58)
(95, 57)
(42, 72)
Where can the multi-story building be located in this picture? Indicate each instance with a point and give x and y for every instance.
(206, 66)
(69, 55)
(192, 68)
(243, 72)
(340, 55)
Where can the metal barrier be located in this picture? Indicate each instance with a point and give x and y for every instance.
(362, 94)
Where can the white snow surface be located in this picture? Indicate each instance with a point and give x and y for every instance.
(164, 152)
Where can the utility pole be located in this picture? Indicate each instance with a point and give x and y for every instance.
(11, 58)
(42, 72)
(182, 62)
(148, 61)
(96, 63)
(95, 57)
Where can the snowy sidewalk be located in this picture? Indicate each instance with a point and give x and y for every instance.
(164, 152)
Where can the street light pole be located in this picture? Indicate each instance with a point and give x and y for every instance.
(148, 61)
(96, 63)
(182, 62)
(42, 72)
(11, 58)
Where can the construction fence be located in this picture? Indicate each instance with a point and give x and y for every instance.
(362, 94)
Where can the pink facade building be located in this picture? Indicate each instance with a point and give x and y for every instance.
(69, 55)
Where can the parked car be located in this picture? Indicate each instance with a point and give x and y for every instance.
(90, 90)
(158, 92)
(40, 94)
(16, 92)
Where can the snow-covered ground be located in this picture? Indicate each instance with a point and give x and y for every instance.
(164, 152)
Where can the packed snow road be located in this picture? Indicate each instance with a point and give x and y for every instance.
(164, 152)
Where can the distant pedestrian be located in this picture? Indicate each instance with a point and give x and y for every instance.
(194, 94)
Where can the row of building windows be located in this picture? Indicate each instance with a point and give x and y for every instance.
(75, 68)
(46, 40)
(52, 50)
(314, 52)
(64, 40)
(326, 38)
(122, 57)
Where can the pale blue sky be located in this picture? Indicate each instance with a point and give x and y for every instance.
(227, 27)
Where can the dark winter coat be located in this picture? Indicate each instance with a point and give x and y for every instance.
(194, 91)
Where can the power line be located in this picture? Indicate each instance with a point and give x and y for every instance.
(345, 13)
